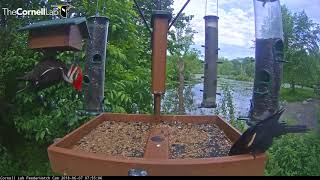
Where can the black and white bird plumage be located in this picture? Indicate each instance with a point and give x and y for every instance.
(49, 72)
(259, 138)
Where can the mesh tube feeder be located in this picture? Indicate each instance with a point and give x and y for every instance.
(94, 78)
(211, 62)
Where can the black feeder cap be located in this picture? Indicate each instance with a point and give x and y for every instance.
(99, 18)
(161, 14)
(267, 0)
(214, 18)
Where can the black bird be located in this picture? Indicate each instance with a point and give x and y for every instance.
(259, 138)
(50, 72)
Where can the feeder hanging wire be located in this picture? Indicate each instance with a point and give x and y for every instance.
(206, 7)
(218, 8)
(97, 8)
(104, 7)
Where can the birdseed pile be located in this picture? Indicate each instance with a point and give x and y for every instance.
(116, 139)
(129, 139)
(188, 141)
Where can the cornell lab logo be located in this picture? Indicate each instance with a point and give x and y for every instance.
(63, 9)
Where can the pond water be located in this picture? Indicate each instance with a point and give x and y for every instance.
(241, 93)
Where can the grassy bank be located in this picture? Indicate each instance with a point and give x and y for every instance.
(298, 95)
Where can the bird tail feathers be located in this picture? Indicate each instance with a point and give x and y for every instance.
(296, 129)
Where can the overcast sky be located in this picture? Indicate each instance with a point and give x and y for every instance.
(236, 24)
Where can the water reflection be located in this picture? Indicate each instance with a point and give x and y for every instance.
(241, 95)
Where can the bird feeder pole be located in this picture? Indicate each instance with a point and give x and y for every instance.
(160, 21)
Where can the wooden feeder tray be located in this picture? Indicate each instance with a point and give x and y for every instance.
(114, 144)
(59, 34)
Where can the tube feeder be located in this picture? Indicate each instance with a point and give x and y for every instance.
(269, 60)
(94, 78)
(211, 62)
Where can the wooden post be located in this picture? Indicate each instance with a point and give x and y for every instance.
(160, 20)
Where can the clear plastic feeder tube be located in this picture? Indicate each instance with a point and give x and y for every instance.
(268, 19)
(269, 57)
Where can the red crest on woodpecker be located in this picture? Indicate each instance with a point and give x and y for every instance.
(77, 83)
(75, 77)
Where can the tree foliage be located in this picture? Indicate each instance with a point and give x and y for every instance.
(51, 113)
(294, 155)
(239, 69)
(301, 37)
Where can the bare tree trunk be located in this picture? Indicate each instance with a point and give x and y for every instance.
(181, 87)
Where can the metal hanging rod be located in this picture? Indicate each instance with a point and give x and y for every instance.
(206, 8)
(142, 16)
(179, 14)
(97, 8)
(217, 7)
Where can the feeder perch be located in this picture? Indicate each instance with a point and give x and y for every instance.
(60, 34)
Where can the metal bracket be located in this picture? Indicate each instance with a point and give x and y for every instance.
(218, 50)
(262, 93)
(283, 61)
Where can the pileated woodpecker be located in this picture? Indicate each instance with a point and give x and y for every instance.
(259, 138)
(50, 72)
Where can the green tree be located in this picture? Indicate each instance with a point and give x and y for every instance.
(301, 38)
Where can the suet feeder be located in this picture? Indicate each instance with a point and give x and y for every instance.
(59, 34)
